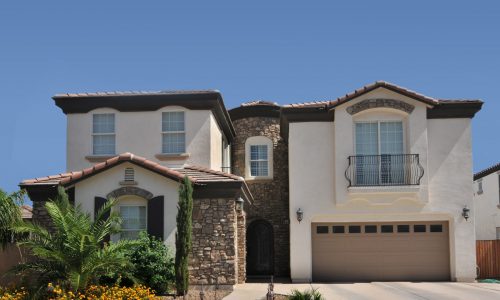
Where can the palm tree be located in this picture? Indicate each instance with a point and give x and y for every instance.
(10, 214)
(73, 253)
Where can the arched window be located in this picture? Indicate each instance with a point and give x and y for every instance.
(258, 158)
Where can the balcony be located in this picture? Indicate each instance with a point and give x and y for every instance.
(384, 170)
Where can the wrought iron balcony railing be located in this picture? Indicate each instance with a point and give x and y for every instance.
(384, 170)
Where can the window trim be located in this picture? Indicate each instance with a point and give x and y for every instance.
(163, 133)
(93, 134)
(257, 141)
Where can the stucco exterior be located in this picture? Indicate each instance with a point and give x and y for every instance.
(487, 204)
(140, 133)
(318, 153)
(102, 184)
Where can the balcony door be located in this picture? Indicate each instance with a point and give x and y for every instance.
(379, 153)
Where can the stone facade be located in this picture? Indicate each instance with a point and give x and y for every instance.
(270, 196)
(40, 215)
(241, 247)
(214, 256)
(374, 103)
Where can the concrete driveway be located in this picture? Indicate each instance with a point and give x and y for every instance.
(378, 290)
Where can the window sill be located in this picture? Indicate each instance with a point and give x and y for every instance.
(384, 189)
(99, 158)
(259, 178)
(177, 156)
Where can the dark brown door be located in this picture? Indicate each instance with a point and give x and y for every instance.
(260, 248)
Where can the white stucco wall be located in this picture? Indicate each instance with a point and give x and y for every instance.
(487, 209)
(140, 133)
(318, 153)
(103, 183)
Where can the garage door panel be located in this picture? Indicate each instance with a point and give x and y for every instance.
(381, 256)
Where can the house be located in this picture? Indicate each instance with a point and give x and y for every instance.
(487, 203)
(369, 186)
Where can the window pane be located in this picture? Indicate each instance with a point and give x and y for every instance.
(338, 229)
(367, 138)
(354, 229)
(173, 121)
(403, 228)
(103, 144)
(370, 228)
(258, 152)
(386, 228)
(322, 229)
(103, 123)
(391, 137)
(133, 217)
(259, 168)
(174, 143)
(419, 228)
(436, 228)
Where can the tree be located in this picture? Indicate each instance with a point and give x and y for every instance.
(183, 236)
(10, 214)
(73, 254)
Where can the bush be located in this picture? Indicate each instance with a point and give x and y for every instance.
(312, 294)
(153, 263)
(99, 292)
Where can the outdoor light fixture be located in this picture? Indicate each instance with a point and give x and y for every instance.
(239, 204)
(465, 212)
(300, 215)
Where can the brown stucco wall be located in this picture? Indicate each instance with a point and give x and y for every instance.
(270, 196)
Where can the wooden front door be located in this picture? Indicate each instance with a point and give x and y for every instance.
(260, 248)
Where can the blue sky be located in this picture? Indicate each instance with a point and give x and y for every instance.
(283, 51)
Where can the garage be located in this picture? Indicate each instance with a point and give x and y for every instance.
(391, 251)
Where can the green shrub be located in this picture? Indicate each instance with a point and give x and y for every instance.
(153, 263)
(312, 294)
(183, 236)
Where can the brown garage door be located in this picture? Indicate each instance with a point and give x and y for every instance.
(394, 251)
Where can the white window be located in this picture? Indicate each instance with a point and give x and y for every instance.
(226, 157)
(259, 158)
(103, 134)
(479, 186)
(133, 221)
(379, 153)
(173, 134)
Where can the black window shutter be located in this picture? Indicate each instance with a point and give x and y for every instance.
(155, 217)
(98, 203)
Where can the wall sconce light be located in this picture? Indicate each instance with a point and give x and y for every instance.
(239, 204)
(300, 215)
(465, 212)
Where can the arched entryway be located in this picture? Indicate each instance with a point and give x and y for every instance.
(260, 248)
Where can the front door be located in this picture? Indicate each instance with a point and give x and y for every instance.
(260, 248)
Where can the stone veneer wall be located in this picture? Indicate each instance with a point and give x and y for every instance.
(40, 215)
(214, 258)
(270, 196)
(241, 247)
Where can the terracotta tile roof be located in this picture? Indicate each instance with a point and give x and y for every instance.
(373, 86)
(259, 102)
(487, 171)
(308, 104)
(197, 175)
(134, 93)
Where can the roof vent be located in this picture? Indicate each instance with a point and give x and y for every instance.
(129, 177)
